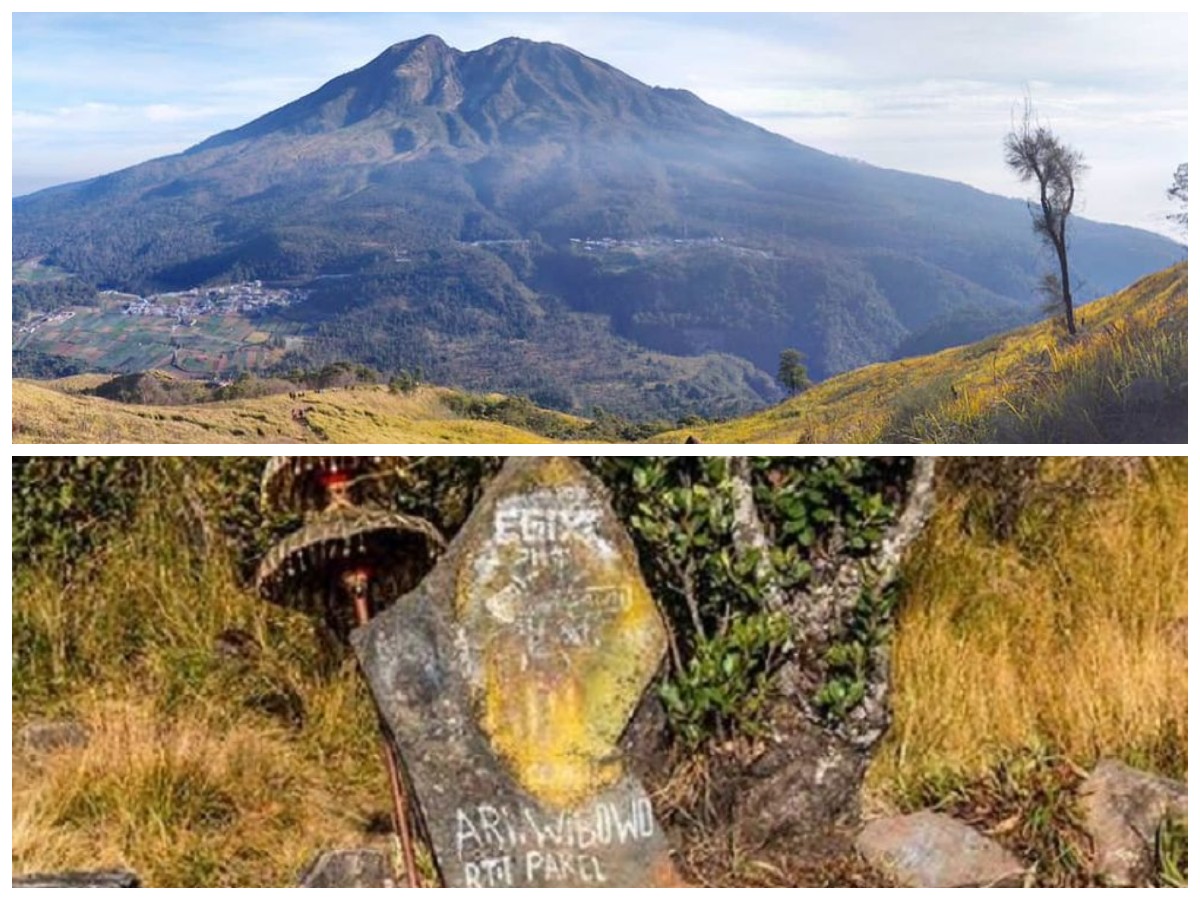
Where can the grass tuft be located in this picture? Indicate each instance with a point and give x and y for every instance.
(1064, 637)
(200, 770)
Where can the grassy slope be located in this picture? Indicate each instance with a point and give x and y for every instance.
(1025, 384)
(1064, 641)
(54, 413)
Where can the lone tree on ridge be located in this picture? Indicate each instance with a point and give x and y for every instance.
(1037, 154)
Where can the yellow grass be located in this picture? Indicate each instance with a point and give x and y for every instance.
(957, 388)
(1070, 638)
(177, 801)
(43, 413)
(189, 778)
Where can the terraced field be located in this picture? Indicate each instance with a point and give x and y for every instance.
(105, 338)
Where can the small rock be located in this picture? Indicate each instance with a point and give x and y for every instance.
(813, 806)
(354, 868)
(929, 849)
(50, 735)
(280, 701)
(112, 878)
(236, 644)
(1122, 810)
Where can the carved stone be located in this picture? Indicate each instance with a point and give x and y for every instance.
(507, 679)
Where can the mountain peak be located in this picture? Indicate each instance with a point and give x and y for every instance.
(513, 88)
(430, 44)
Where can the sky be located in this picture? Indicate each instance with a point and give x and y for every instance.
(927, 93)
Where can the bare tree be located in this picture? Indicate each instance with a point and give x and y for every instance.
(1037, 154)
(1178, 192)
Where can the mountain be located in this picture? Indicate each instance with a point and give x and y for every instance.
(491, 214)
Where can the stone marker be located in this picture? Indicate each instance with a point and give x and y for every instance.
(363, 867)
(507, 678)
(50, 736)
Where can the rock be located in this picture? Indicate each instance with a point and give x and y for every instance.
(1122, 810)
(49, 736)
(109, 878)
(279, 701)
(353, 868)
(929, 849)
(804, 790)
(236, 645)
(507, 679)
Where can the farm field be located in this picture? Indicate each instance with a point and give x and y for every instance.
(29, 271)
(204, 347)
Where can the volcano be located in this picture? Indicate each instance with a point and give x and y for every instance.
(525, 218)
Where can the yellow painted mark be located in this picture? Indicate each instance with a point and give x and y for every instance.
(565, 634)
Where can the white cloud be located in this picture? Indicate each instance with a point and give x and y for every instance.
(926, 93)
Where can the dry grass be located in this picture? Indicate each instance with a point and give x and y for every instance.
(177, 800)
(1032, 384)
(201, 769)
(1069, 638)
(53, 414)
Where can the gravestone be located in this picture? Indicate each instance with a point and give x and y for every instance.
(507, 678)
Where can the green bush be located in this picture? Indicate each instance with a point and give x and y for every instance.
(727, 640)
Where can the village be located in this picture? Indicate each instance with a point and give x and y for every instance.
(246, 297)
(33, 324)
(655, 246)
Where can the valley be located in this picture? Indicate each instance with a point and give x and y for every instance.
(1122, 379)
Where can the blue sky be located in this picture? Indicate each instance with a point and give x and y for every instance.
(925, 93)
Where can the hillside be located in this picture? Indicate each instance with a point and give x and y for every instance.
(55, 413)
(439, 208)
(1124, 378)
